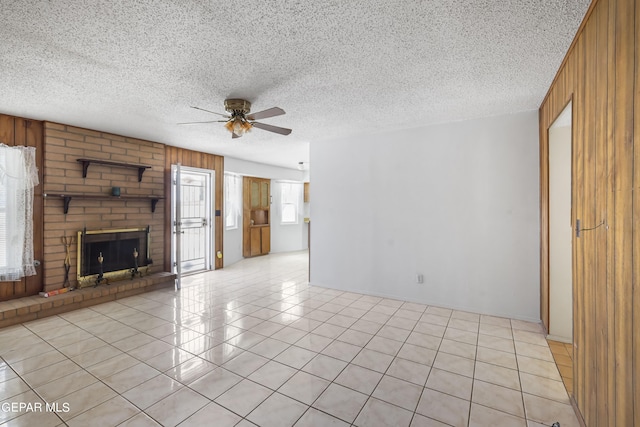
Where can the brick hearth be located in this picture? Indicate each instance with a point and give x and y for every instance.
(36, 307)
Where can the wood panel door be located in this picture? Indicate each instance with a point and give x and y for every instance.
(256, 241)
(256, 228)
(265, 240)
(16, 131)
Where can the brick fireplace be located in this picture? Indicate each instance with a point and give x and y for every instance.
(100, 211)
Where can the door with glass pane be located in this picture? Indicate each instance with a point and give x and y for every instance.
(256, 217)
(192, 202)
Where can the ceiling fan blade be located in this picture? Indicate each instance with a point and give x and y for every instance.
(212, 112)
(196, 123)
(271, 112)
(271, 128)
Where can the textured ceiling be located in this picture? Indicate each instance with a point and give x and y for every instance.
(337, 67)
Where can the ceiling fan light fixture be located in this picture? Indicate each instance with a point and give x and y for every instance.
(238, 126)
(246, 126)
(238, 129)
(239, 121)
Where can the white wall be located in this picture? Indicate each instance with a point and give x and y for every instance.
(232, 244)
(456, 202)
(284, 238)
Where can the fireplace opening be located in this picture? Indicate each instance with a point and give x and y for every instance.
(110, 255)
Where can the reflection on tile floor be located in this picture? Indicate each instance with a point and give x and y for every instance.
(254, 344)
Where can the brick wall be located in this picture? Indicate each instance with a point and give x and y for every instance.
(63, 174)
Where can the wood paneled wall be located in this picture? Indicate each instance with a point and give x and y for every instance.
(194, 159)
(18, 131)
(600, 75)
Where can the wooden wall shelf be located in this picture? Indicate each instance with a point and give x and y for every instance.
(87, 162)
(67, 198)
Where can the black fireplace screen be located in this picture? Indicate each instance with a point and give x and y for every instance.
(115, 248)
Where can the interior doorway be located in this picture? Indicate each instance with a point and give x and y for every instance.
(192, 219)
(560, 229)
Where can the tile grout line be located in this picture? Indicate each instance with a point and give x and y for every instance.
(248, 293)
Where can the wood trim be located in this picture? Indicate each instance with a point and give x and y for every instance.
(577, 206)
(611, 290)
(544, 219)
(574, 406)
(246, 217)
(635, 255)
(601, 359)
(544, 207)
(622, 175)
(219, 222)
(20, 131)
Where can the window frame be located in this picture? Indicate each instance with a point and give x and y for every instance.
(293, 199)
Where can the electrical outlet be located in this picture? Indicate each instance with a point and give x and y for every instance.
(419, 278)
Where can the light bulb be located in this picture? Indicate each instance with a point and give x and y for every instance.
(237, 127)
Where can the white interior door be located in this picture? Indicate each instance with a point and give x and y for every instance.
(560, 230)
(192, 208)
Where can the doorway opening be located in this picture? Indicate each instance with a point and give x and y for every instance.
(560, 229)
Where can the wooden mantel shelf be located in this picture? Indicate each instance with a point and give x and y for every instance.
(68, 196)
(87, 162)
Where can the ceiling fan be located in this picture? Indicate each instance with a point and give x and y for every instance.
(239, 121)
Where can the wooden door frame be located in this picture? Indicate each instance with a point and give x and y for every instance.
(544, 212)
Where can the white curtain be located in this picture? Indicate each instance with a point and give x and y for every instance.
(18, 177)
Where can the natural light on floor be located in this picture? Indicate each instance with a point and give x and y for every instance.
(255, 344)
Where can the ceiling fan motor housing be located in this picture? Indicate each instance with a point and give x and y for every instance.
(237, 106)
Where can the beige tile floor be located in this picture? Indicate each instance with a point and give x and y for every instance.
(254, 344)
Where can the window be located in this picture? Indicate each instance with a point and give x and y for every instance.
(232, 200)
(18, 177)
(3, 221)
(289, 197)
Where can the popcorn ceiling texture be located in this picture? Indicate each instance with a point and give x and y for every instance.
(336, 67)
